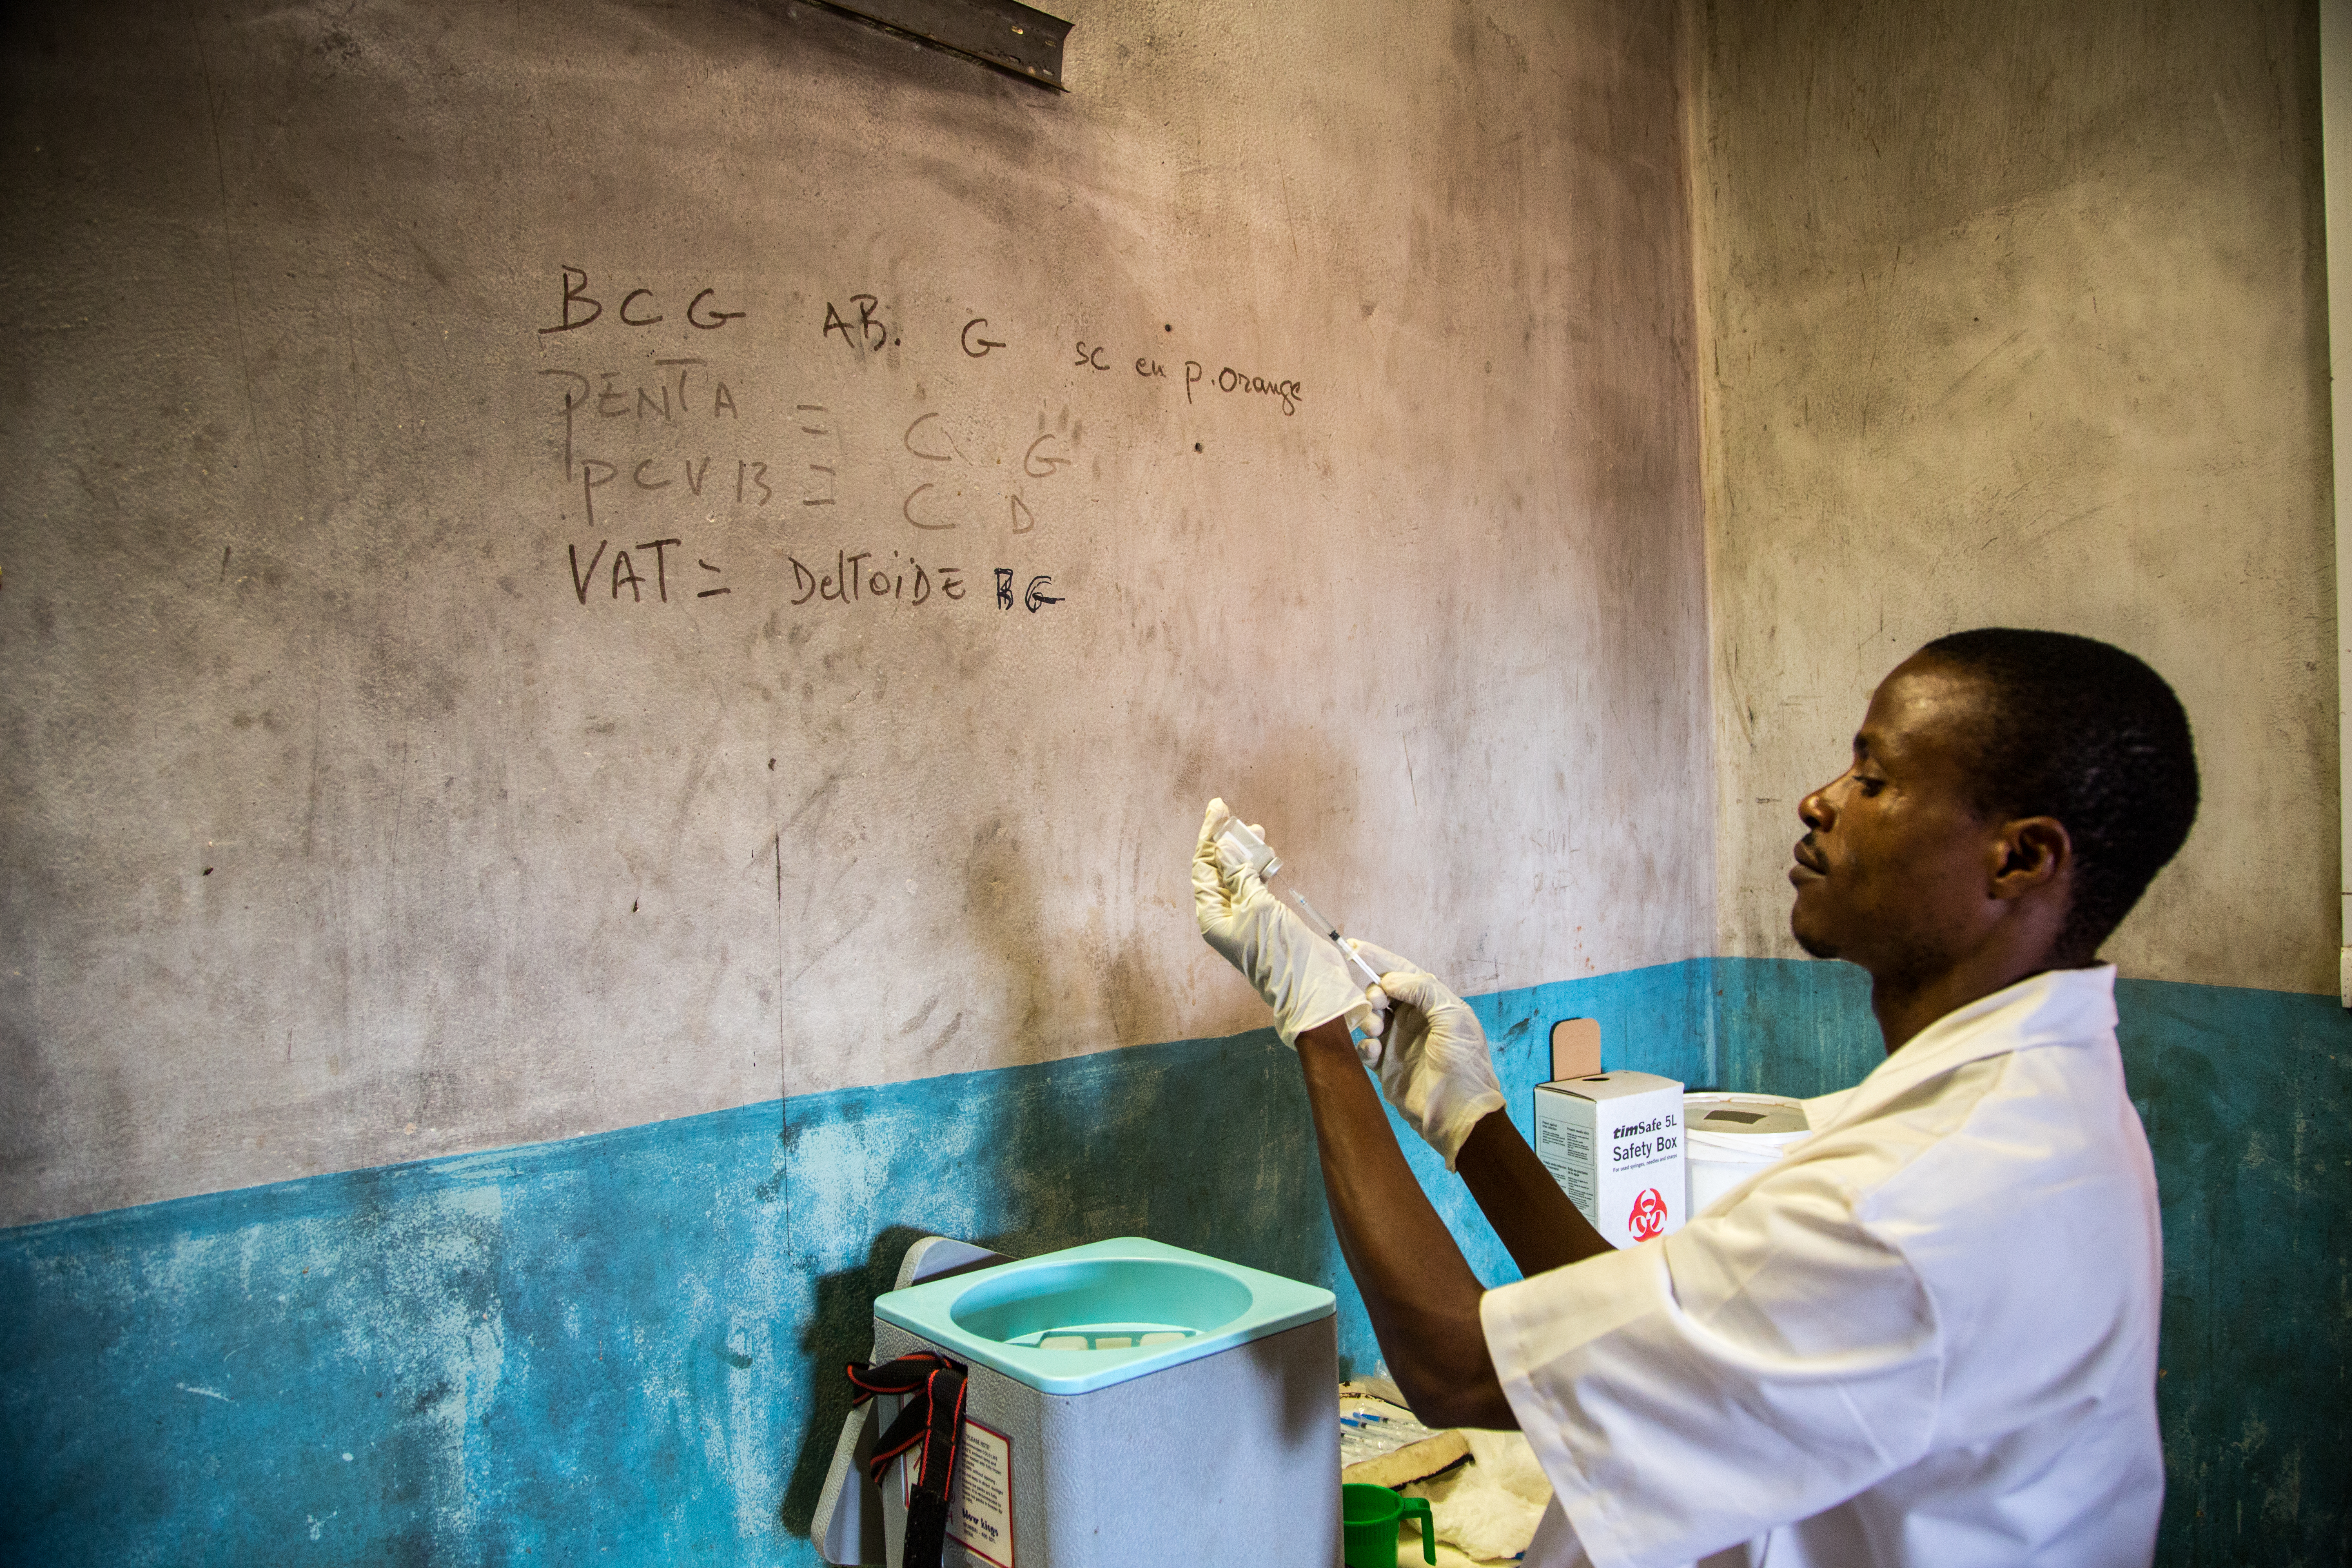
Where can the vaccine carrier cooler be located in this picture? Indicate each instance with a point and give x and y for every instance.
(1129, 1403)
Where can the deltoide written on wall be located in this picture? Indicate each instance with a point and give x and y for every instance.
(1614, 1143)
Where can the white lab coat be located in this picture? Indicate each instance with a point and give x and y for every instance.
(1926, 1337)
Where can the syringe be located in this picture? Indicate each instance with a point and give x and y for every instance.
(1371, 977)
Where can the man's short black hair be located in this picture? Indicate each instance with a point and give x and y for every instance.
(2085, 732)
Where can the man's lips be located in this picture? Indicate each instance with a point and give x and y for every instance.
(1808, 858)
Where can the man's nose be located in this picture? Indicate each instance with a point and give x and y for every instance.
(1814, 811)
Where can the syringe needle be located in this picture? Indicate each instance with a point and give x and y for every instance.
(1352, 956)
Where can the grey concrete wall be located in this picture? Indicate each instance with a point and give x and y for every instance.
(353, 808)
(2014, 314)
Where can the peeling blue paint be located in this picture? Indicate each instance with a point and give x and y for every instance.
(506, 1357)
(624, 1348)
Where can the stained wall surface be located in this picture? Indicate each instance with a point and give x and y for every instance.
(2016, 316)
(570, 565)
(359, 815)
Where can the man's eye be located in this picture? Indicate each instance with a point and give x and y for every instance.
(1869, 786)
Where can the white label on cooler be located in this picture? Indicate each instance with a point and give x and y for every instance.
(979, 1498)
(980, 1503)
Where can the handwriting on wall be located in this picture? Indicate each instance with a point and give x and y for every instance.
(662, 466)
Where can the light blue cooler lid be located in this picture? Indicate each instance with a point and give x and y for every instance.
(1076, 1320)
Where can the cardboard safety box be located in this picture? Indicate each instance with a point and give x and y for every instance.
(1614, 1143)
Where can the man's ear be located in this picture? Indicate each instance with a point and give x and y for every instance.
(2034, 852)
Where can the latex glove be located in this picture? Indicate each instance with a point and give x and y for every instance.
(1435, 1066)
(1298, 970)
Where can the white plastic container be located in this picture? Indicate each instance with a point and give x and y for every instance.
(1730, 1137)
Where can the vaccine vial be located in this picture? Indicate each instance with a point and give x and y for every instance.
(1241, 849)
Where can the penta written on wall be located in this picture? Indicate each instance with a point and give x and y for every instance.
(684, 416)
(732, 486)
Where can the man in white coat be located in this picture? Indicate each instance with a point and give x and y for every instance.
(1927, 1336)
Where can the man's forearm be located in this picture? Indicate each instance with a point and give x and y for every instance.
(1538, 1224)
(1421, 1296)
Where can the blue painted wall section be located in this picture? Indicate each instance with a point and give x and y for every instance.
(2246, 1095)
(1798, 1028)
(625, 1348)
(570, 1351)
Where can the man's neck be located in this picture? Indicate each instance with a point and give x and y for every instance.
(1905, 1009)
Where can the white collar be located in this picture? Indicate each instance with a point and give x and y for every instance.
(2055, 1007)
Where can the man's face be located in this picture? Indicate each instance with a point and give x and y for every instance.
(1893, 873)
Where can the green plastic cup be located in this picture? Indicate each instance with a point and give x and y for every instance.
(1368, 1519)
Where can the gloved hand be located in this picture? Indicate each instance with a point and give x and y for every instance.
(1298, 971)
(1435, 1066)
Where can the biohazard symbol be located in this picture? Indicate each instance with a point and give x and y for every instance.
(1649, 1216)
